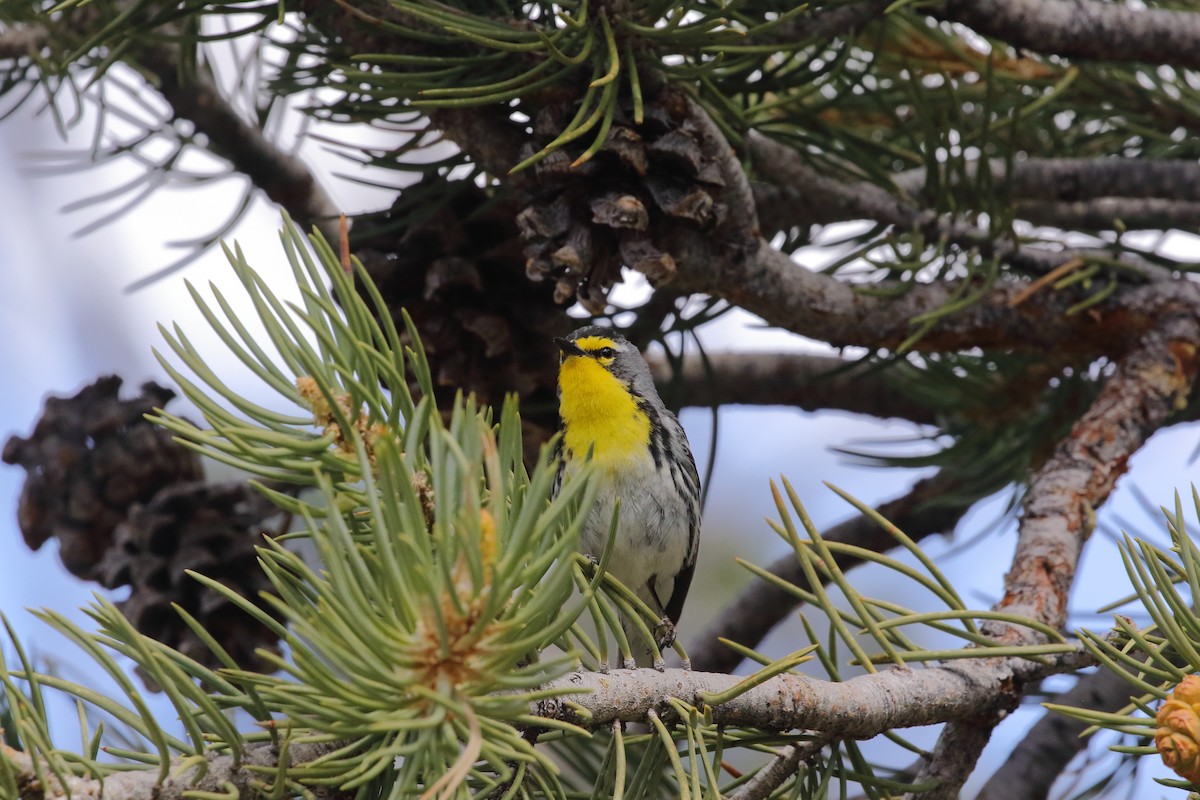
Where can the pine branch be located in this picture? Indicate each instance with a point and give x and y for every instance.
(282, 177)
(218, 774)
(806, 381)
(810, 197)
(1074, 193)
(821, 198)
(1059, 508)
(749, 273)
(957, 750)
(1087, 30)
(1045, 751)
(767, 282)
(858, 708)
(762, 606)
(1089, 194)
(1073, 178)
(782, 767)
(770, 284)
(1106, 213)
(821, 24)
(1084, 29)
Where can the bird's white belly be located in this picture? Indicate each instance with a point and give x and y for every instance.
(651, 532)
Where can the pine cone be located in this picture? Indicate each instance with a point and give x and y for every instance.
(1178, 735)
(89, 459)
(615, 209)
(209, 528)
(460, 273)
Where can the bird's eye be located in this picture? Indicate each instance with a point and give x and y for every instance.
(606, 352)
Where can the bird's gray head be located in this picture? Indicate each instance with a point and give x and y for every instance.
(613, 352)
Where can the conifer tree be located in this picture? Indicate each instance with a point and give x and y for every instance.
(1000, 178)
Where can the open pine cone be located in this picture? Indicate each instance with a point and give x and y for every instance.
(211, 529)
(128, 508)
(589, 219)
(89, 459)
(486, 329)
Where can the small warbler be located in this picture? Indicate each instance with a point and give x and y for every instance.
(608, 405)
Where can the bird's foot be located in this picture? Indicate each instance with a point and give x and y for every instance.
(664, 634)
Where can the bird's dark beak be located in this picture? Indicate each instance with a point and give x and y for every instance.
(568, 348)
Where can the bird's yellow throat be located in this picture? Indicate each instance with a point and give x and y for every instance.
(598, 411)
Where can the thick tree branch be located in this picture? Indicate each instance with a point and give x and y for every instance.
(1084, 29)
(1059, 510)
(801, 380)
(927, 509)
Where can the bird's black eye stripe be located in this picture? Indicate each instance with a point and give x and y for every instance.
(606, 352)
